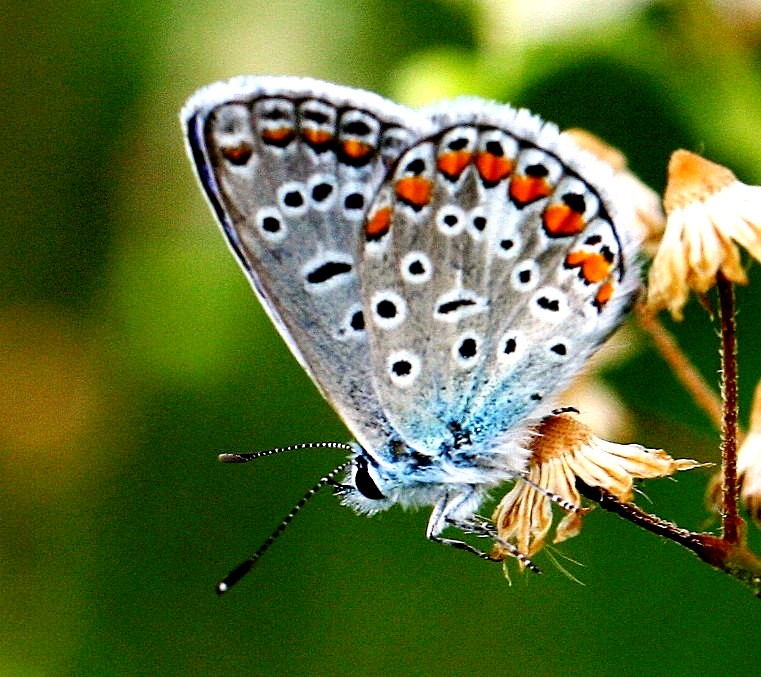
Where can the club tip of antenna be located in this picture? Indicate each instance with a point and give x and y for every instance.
(231, 458)
(234, 576)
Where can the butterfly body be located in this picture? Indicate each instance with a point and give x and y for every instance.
(441, 274)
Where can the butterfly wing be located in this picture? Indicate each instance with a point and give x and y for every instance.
(290, 167)
(492, 268)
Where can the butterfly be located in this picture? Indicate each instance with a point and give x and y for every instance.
(441, 274)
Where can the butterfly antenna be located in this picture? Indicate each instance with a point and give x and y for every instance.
(244, 567)
(245, 458)
(555, 498)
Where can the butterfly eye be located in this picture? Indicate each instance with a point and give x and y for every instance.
(364, 482)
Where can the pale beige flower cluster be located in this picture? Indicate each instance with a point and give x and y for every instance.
(709, 212)
(564, 450)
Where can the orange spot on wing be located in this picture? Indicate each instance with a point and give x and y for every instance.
(453, 164)
(317, 137)
(278, 137)
(414, 191)
(561, 220)
(593, 267)
(526, 189)
(379, 224)
(603, 295)
(356, 150)
(493, 168)
(237, 155)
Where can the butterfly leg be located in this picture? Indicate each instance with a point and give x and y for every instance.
(462, 545)
(440, 520)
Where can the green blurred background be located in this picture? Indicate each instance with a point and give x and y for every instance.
(132, 352)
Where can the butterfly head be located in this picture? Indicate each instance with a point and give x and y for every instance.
(403, 476)
(367, 488)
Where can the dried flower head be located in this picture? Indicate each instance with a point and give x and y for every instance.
(646, 217)
(749, 462)
(708, 210)
(563, 450)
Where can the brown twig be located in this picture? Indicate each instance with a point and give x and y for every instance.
(731, 523)
(702, 393)
(692, 380)
(733, 558)
(729, 551)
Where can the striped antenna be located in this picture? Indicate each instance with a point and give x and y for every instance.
(245, 458)
(244, 567)
(558, 500)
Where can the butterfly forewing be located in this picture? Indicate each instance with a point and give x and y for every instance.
(290, 166)
(498, 272)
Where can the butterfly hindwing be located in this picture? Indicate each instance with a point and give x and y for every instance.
(498, 272)
(290, 167)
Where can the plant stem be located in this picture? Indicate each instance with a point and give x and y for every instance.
(731, 523)
(733, 558)
(728, 552)
(692, 380)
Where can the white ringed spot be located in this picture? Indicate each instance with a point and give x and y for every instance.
(292, 198)
(450, 220)
(327, 271)
(353, 324)
(271, 225)
(403, 367)
(388, 308)
(549, 304)
(525, 275)
(321, 189)
(508, 245)
(466, 350)
(456, 304)
(558, 349)
(416, 268)
(511, 347)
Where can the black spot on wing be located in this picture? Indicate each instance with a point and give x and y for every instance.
(452, 306)
(327, 271)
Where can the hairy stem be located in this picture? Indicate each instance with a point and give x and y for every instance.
(733, 558)
(731, 523)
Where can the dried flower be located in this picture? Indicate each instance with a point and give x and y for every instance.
(563, 450)
(749, 462)
(708, 210)
(646, 217)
